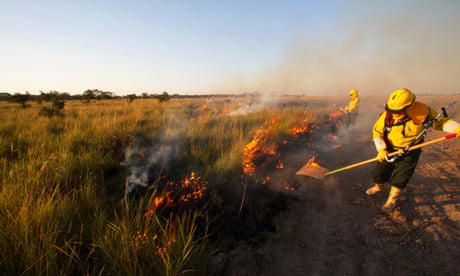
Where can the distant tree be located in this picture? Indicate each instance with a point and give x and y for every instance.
(130, 97)
(57, 103)
(54, 109)
(5, 96)
(96, 94)
(87, 96)
(65, 96)
(21, 99)
(52, 96)
(39, 98)
(45, 97)
(104, 95)
(164, 97)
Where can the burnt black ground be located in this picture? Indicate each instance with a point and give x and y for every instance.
(335, 229)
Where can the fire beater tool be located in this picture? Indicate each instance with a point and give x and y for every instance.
(316, 171)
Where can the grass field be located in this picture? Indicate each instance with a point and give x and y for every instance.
(113, 187)
(137, 188)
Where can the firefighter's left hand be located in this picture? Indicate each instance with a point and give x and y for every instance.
(381, 155)
(457, 130)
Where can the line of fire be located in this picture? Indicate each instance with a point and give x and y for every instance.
(267, 160)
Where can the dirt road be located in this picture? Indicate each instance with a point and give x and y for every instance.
(336, 229)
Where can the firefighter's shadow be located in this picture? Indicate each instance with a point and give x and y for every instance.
(431, 205)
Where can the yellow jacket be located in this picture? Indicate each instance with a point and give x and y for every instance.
(353, 106)
(390, 133)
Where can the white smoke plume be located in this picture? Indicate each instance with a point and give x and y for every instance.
(255, 104)
(145, 165)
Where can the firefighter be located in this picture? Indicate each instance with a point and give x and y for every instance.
(351, 111)
(396, 129)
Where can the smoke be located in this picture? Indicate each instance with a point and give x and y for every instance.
(145, 165)
(149, 161)
(376, 47)
(255, 104)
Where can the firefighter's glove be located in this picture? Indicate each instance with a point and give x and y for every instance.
(457, 130)
(382, 155)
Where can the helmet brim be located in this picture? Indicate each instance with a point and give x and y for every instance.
(387, 108)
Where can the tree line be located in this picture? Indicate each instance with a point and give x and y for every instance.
(87, 96)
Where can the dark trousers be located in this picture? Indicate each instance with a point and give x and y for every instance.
(350, 118)
(399, 172)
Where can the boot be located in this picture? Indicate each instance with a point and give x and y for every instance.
(390, 204)
(374, 189)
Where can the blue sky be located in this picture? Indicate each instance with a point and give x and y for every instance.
(209, 47)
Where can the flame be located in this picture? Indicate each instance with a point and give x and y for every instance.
(191, 188)
(333, 137)
(297, 130)
(312, 162)
(337, 117)
(287, 186)
(262, 150)
(266, 180)
(280, 165)
(302, 128)
(251, 149)
(337, 114)
(261, 144)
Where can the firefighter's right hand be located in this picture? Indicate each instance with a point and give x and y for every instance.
(381, 155)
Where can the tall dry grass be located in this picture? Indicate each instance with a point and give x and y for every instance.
(61, 179)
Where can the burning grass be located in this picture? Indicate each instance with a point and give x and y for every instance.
(115, 187)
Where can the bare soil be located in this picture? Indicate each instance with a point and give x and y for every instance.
(336, 229)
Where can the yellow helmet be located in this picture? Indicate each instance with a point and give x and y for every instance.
(399, 100)
(353, 92)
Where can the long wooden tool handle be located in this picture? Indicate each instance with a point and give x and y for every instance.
(449, 136)
(440, 139)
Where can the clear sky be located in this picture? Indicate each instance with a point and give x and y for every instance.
(230, 46)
